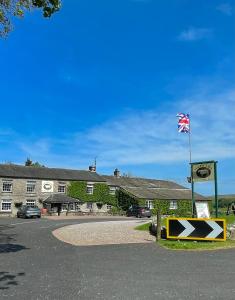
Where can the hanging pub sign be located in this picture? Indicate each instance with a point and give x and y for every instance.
(203, 171)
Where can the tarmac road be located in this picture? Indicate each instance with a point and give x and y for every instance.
(35, 265)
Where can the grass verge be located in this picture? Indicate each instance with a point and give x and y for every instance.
(190, 245)
(194, 245)
(144, 227)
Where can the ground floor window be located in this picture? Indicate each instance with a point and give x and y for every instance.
(6, 205)
(149, 204)
(30, 203)
(89, 205)
(64, 207)
(173, 204)
(109, 206)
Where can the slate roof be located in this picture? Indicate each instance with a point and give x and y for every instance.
(151, 189)
(162, 193)
(60, 198)
(141, 182)
(17, 171)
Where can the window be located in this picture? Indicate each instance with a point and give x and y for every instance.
(30, 203)
(77, 206)
(7, 186)
(89, 205)
(112, 190)
(61, 188)
(149, 204)
(173, 204)
(30, 186)
(71, 206)
(109, 206)
(6, 205)
(64, 207)
(89, 189)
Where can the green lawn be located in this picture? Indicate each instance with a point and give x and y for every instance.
(144, 227)
(194, 245)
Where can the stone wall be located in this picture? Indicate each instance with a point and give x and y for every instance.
(19, 193)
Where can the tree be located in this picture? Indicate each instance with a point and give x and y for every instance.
(17, 8)
(30, 163)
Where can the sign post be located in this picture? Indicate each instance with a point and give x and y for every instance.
(204, 171)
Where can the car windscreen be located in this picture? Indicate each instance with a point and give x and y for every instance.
(33, 208)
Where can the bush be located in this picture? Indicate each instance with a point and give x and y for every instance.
(116, 211)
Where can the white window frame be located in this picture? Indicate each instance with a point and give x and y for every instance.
(63, 186)
(9, 183)
(6, 201)
(28, 204)
(112, 190)
(29, 185)
(89, 205)
(90, 189)
(149, 204)
(173, 204)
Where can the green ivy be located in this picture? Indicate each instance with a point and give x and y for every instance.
(125, 200)
(77, 189)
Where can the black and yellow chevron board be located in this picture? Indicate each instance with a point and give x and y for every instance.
(196, 229)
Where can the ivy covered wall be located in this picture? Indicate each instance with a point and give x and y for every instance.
(125, 200)
(77, 189)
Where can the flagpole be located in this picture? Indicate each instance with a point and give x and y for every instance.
(190, 162)
(189, 142)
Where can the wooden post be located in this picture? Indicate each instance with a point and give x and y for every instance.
(158, 235)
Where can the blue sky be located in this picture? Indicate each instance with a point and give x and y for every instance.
(106, 79)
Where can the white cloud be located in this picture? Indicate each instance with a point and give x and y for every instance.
(151, 137)
(146, 137)
(225, 8)
(194, 34)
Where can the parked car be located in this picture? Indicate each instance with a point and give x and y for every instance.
(139, 211)
(29, 212)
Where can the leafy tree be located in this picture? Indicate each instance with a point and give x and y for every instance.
(17, 8)
(30, 163)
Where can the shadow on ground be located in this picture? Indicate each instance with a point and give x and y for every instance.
(7, 239)
(7, 280)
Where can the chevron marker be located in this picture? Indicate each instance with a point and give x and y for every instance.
(188, 228)
(216, 229)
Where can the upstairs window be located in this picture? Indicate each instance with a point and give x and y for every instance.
(89, 189)
(112, 190)
(7, 186)
(173, 204)
(30, 187)
(61, 188)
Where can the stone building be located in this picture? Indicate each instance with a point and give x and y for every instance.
(151, 192)
(42, 186)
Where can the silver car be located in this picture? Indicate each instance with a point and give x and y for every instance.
(29, 212)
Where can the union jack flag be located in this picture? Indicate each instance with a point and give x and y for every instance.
(183, 122)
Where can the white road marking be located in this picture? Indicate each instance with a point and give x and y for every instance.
(188, 228)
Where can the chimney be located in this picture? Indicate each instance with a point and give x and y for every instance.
(116, 173)
(92, 168)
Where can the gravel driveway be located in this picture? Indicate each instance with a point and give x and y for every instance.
(104, 233)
